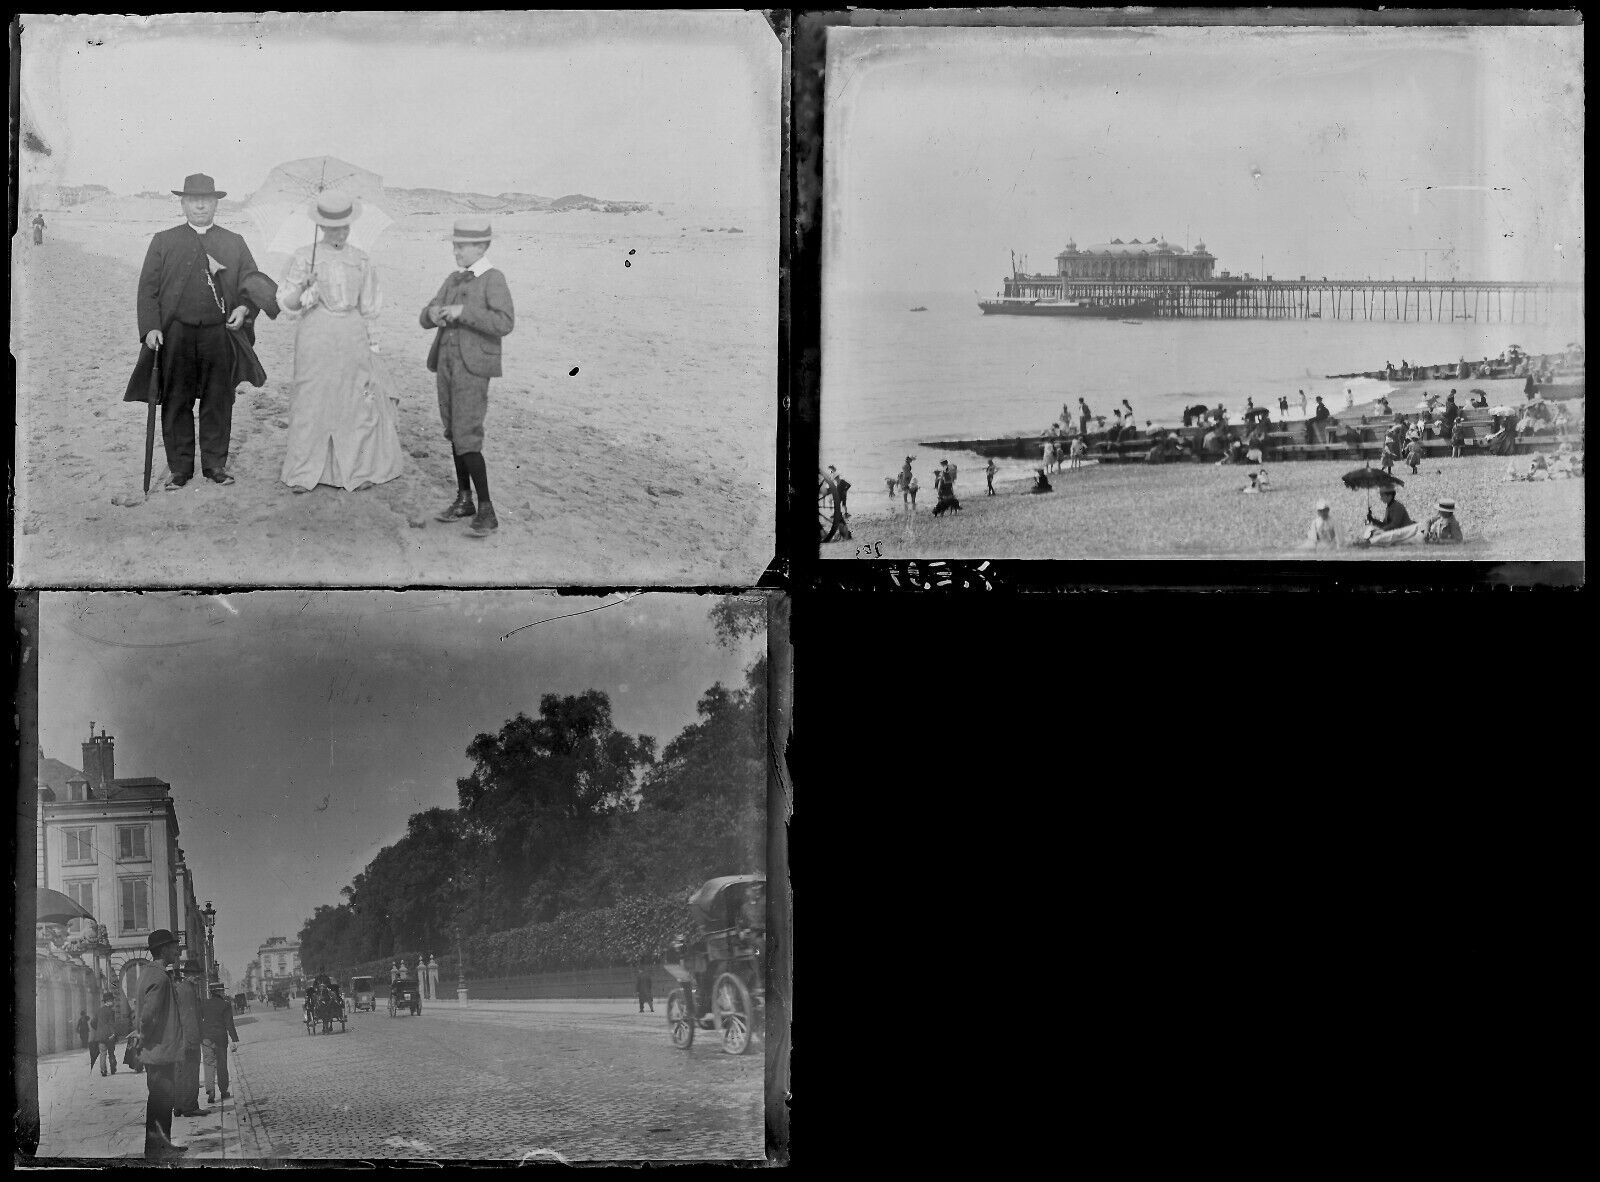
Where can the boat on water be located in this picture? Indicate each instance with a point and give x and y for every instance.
(919, 308)
(1024, 306)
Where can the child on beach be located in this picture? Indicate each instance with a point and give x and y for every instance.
(1414, 454)
(1079, 448)
(1324, 534)
(1391, 453)
(989, 470)
(472, 312)
(1458, 439)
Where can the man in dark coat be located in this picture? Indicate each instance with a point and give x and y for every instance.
(645, 989)
(105, 1033)
(83, 1033)
(218, 1036)
(161, 1039)
(186, 1101)
(192, 298)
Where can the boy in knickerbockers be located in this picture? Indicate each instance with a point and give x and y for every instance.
(472, 312)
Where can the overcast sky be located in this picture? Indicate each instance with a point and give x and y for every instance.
(299, 730)
(1336, 152)
(652, 107)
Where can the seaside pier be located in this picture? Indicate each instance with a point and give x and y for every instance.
(1245, 298)
(1162, 279)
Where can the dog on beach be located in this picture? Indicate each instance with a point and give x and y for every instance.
(948, 505)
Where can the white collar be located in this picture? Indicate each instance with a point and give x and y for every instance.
(483, 264)
(200, 229)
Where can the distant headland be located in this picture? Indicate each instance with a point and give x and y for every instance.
(397, 202)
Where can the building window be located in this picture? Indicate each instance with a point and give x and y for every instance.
(133, 843)
(135, 904)
(81, 893)
(80, 845)
(280, 964)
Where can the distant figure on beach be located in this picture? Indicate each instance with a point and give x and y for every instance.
(38, 229)
(1324, 534)
(841, 489)
(1127, 415)
(1049, 458)
(1383, 405)
(1390, 455)
(472, 311)
(1414, 455)
(1458, 439)
(1349, 398)
(1323, 414)
(1481, 402)
(1302, 404)
(191, 298)
(1252, 486)
(1083, 417)
(1078, 450)
(1041, 483)
(990, 469)
(893, 482)
(342, 428)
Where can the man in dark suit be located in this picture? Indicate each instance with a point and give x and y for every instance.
(472, 311)
(191, 296)
(161, 1036)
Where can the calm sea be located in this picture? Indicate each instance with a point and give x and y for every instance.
(893, 378)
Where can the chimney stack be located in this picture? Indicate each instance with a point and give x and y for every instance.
(99, 759)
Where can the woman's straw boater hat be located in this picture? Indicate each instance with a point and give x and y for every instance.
(334, 209)
(1447, 507)
(471, 230)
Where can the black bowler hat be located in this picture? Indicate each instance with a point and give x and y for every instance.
(160, 938)
(198, 184)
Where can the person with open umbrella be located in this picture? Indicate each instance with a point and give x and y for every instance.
(341, 421)
(1388, 527)
(191, 297)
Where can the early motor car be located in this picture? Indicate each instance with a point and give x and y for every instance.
(719, 968)
(362, 995)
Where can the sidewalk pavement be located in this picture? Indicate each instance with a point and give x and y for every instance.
(85, 1115)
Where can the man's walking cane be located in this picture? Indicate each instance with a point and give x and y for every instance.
(152, 401)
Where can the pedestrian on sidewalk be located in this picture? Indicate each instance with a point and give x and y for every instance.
(646, 989)
(83, 1033)
(161, 1037)
(187, 1099)
(105, 1033)
(218, 1036)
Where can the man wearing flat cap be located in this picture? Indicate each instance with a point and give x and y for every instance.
(192, 296)
(161, 1032)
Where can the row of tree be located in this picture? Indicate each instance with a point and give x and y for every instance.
(565, 814)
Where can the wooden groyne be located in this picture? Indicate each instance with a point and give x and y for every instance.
(1470, 300)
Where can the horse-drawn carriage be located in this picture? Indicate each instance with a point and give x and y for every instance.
(279, 997)
(241, 1003)
(404, 995)
(719, 969)
(324, 1007)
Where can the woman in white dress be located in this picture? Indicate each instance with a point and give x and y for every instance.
(341, 423)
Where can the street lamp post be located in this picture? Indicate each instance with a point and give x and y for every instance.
(210, 915)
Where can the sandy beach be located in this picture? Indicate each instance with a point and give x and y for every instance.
(630, 442)
(1194, 510)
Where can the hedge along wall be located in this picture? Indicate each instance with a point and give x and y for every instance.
(635, 930)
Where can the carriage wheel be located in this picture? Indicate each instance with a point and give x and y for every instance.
(679, 1020)
(826, 525)
(730, 1001)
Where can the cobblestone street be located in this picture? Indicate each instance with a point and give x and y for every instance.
(582, 1081)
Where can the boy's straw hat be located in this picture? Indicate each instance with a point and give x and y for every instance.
(1448, 507)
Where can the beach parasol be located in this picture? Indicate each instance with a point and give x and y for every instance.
(1370, 478)
(279, 208)
(50, 906)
